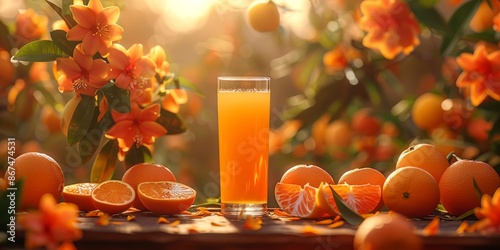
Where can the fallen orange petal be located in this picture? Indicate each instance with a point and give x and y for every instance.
(433, 227)
(103, 220)
(130, 217)
(309, 230)
(337, 218)
(336, 224)
(464, 226)
(174, 223)
(253, 223)
(323, 222)
(162, 220)
(94, 213)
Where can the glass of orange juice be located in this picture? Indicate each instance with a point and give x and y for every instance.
(243, 119)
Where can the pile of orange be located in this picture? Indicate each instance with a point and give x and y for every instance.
(145, 186)
(422, 179)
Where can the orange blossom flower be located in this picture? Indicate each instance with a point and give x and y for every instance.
(489, 212)
(81, 73)
(132, 71)
(51, 225)
(481, 73)
(157, 54)
(137, 127)
(96, 27)
(30, 26)
(173, 99)
(391, 27)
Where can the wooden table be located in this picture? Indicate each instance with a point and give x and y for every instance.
(218, 232)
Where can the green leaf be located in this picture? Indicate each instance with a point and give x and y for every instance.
(457, 24)
(464, 215)
(183, 83)
(39, 51)
(428, 15)
(90, 142)
(346, 212)
(138, 155)
(104, 164)
(118, 98)
(172, 122)
(59, 38)
(68, 19)
(488, 35)
(81, 119)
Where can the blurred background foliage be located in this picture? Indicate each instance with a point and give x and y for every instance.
(335, 103)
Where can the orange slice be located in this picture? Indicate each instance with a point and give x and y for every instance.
(113, 197)
(80, 195)
(360, 198)
(298, 201)
(166, 197)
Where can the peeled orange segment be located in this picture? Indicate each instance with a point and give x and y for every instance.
(166, 197)
(80, 195)
(298, 201)
(113, 197)
(360, 198)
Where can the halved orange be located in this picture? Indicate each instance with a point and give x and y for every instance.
(166, 197)
(360, 198)
(113, 197)
(298, 201)
(80, 195)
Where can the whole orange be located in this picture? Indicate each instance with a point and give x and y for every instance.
(146, 172)
(359, 176)
(411, 191)
(338, 138)
(40, 174)
(479, 128)
(425, 156)
(387, 232)
(456, 187)
(263, 16)
(365, 122)
(426, 111)
(303, 174)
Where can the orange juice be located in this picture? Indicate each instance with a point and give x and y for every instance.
(243, 145)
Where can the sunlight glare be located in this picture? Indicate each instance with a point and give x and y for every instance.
(186, 15)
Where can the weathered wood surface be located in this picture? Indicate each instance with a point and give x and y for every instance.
(219, 232)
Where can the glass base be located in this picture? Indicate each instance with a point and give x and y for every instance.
(235, 209)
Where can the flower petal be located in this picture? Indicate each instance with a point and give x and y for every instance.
(77, 33)
(83, 15)
(108, 16)
(150, 113)
(121, 129)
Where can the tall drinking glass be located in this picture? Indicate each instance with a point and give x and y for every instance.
(243, 117)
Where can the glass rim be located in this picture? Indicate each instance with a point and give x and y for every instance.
(243, 78)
